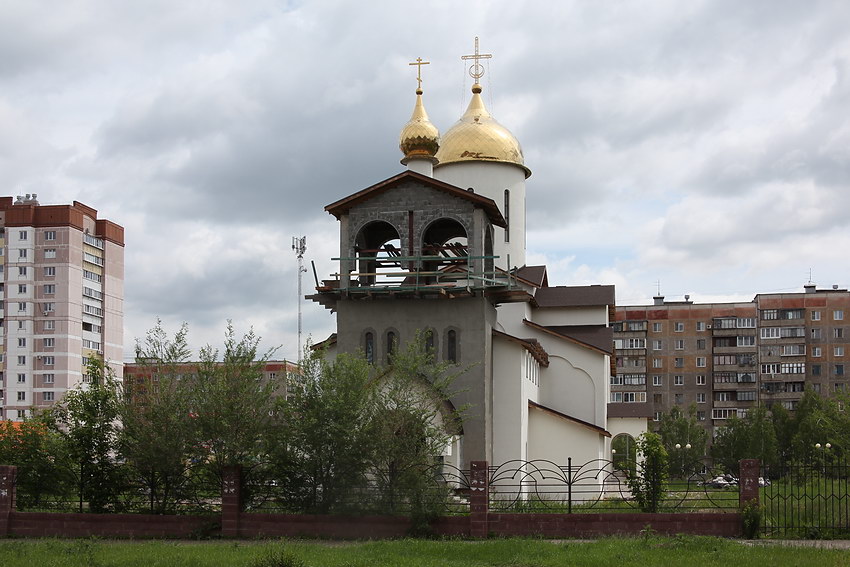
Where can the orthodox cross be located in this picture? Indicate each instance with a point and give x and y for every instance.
(419, 64)
(476, 70)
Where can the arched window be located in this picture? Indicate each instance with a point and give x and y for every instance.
(508, 215)
(392, 341)
(451, 346)
(369, 347)
(429, 342)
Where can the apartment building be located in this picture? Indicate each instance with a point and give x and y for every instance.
(729, 357)
(62, 286)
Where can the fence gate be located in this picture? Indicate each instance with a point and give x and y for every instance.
(808, 500)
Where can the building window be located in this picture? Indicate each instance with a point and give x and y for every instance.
(507, 215)
(815, 315)
(50, 271)
(48, 343)
(656, 344)
(22, 396)
(700, 362)
(49, 289)
(392, 341)
(49, 253)
(22, 235)
(839, 370)
(49, 360)
(679, 327)
(451, 346)
(51, 325)
(769, 314)
(430, 342)
(815, 369)
(48, 378)
(678, 380)
(656, 327)
(838, 315)
(700, 379)
(22, 360)
(723, 396)
(656, 363)
(816, 334)
(746, 322)
(679, 399)
(22, 271)
(369, 347)
(700, 325)
(48, 396)
(700, 397)
(22, 253)
(700, 344)
(657, 381)
(22, 413)
(679, 362)
(680, 344)
(22, 378)
(657, 399)
(50, 235)
(22, 306)
(816, 352)
(48, 307)
(838, 333)
(22, 342)
(656, 416)
(22, 288)
(746, 340)
(839, 351)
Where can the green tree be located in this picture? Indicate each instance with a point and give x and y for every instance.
(684, 440)
(750, 437)
(233, 404)
(87, 418)
(157, 437)
(649, 485)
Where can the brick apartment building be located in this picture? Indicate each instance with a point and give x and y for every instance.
(728, 357)
(62, 291)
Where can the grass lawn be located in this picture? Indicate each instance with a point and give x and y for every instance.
(644, 552)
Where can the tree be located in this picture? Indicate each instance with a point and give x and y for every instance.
(750, 437)
(649, 485)
(157, 435)
(88, 421)
(233, 403)
(684, 440)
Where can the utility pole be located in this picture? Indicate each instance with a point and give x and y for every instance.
(299, 245)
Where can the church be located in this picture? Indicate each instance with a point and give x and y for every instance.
(440, 248)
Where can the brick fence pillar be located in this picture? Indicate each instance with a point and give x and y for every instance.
(8, 474)
(479, 498)
(748, 482)
(231, 500)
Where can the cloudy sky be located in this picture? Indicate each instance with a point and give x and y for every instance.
(704, 145)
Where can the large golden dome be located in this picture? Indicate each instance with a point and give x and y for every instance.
(478, 137)
(419, 138)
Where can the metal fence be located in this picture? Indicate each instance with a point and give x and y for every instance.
(807, 500)
(601, 486)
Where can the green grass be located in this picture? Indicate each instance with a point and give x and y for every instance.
(646, 552)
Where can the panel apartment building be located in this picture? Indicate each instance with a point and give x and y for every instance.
(62, 285)
(729, 357)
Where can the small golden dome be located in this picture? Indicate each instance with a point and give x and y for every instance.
(419, 138)
(478, 137)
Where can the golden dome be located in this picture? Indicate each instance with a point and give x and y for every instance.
(478, 137)
(419, 138)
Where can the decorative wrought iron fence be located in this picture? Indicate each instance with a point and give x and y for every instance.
(808, 500)
(600, 486)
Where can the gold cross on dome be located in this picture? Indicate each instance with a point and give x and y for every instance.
(476, 70)
(419, 64)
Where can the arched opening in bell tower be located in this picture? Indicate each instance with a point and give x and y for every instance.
(377, 249)
(445, 244)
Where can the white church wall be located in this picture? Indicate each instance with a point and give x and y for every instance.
(510, 409)
(555, 439)
(510, 316)
(571, 316)
(633, 426)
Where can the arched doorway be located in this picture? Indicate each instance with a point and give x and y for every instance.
(446, 244)
(624, 452)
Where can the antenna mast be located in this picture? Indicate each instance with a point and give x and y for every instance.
(299, 245)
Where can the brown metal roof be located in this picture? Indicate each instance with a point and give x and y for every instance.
(575, 296)
(344, 205)
(535, 275)
(581, 422)
(533, 346)
(630, 410)
(597, 337)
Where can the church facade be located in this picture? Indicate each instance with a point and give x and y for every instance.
(440, 249)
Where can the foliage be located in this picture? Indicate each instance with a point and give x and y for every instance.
(648, 486)
(157, 438)
(678, 428)
(232, 403)
(88, 421)
(751, 517)
(750, 437)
